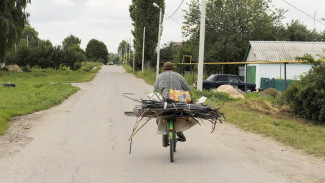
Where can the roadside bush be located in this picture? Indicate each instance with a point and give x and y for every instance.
(48, 57)
(306, 97)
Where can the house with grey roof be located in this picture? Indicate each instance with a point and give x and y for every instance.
(279, 51)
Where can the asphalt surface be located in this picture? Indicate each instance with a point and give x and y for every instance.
(84, 140)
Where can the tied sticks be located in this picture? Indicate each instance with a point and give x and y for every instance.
(170, 109)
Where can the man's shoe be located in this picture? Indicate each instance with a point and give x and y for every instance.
(181, 137)
(165, 140)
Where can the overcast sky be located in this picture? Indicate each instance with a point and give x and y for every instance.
(109, 20)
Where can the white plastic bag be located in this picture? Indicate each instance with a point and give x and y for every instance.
(155, 96)
(201, 100)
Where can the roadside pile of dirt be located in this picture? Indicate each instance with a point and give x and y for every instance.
(14, 68)
(231, 91)
(262, 106)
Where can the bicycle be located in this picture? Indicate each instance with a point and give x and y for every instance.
(171, 137)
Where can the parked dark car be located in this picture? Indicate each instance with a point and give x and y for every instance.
(216, 80)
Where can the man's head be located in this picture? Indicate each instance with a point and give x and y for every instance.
(168, 66)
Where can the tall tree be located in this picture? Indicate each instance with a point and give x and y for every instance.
(96, 51)
(70, 41)
(144, 14)
(12, 20)
(229, 27)
(167, 52)
(123, 49)
(30, 34)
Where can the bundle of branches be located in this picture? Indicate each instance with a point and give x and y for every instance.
(154, 109)
(170, 109)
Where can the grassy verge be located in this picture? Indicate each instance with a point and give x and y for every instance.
(294, 132)
(148, 75)
(38, 90)
(266, 116)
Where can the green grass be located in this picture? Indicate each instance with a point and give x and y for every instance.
(37, 90)
(148, 75)
(289, 130)
(294, 132)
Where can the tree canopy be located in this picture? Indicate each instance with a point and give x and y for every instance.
(230, 25)
(70, 41)
(144, 14)
(96, 51)
(12, 20)
(123, 49)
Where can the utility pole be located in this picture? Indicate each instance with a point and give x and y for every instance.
(130, 49)
(27, 40)
(120, 55)
(158, 48)
(144, 39)
(125, 52)
(133, 58)
(201, 47)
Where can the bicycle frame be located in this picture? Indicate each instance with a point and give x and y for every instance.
(171, 129)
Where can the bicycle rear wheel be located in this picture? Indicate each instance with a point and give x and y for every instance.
(171, 145)
(172, 139)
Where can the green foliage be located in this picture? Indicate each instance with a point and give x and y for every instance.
(235, 23)
(148, 75)
(144, 14)
(289, 131)
(47, 56)
(167, 52)
(298, 32)
(123, 49)
(91, 66)
(211, 95)
(70, 41)
(73, 56)
(96, 51)
(30, 34)
(230, 25)
(37, 90)
(310, 59)
(12, 20)
(307, 96)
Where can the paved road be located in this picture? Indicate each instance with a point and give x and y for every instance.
(84, 140)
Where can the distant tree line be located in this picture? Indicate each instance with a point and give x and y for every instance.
(19, 42)
(32, 51)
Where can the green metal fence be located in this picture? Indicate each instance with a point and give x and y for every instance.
(274, 83)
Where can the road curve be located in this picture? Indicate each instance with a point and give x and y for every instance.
(84, 140)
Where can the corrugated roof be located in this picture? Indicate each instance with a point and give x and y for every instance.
(285, 50)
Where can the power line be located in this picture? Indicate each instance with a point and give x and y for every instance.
(175, 10)
(319, 21)
(173, 20)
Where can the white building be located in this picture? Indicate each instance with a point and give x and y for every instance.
(279, 51)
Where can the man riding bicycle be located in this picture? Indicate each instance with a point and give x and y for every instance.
(167, 80)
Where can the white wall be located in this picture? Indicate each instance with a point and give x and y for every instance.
(273, 71)
(2, 65)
